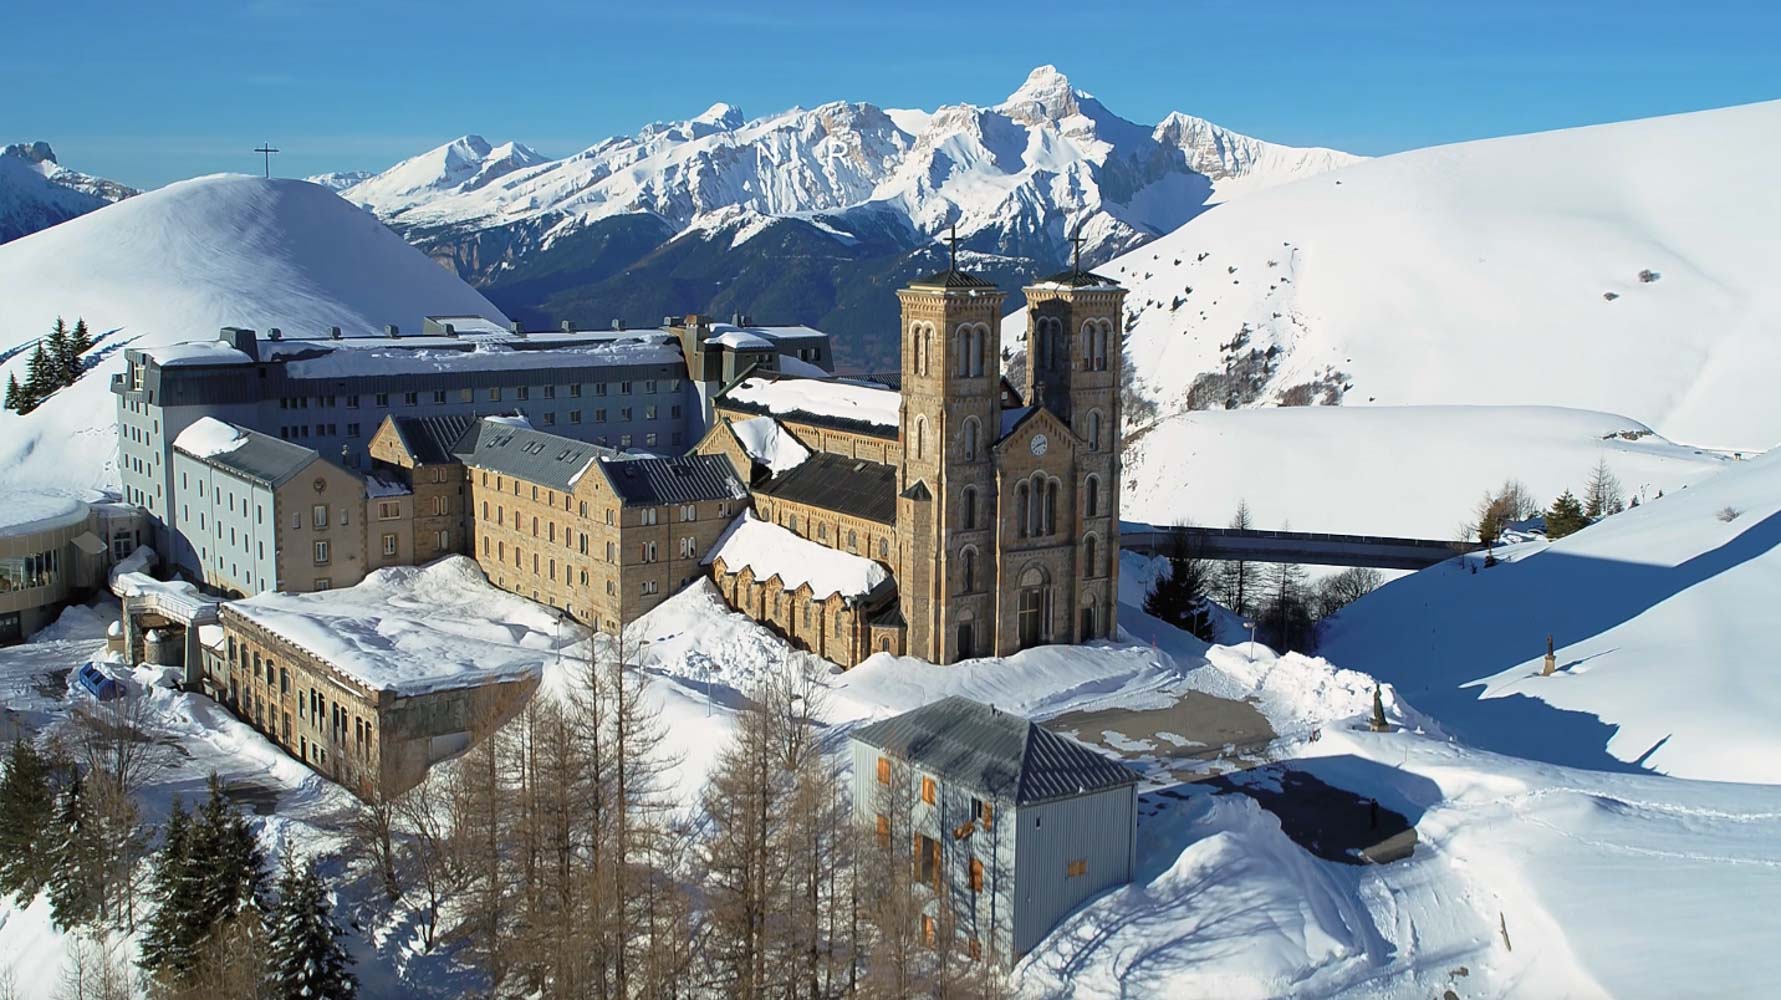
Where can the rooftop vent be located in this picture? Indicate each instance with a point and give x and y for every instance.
(618, 324)
(333, 333)
(567, 326)
(451, 330)
(275, 334)
(667, 321)
(514, 327)
(392, 331)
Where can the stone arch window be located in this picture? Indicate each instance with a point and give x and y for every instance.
(1023, 506)
(1091, 550)
(968, 508)
(853, 541)
(927, 347)
(1103, 336)
(1049, 525)
(968, 569)
(966, 644)
(1033, 607)
(921, 433)
(973, 342)
(968, 435)
(1094, 430)
(1092, 497)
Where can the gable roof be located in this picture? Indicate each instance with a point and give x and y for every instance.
(429, 440)
(993, 751)
(259, 457)
(952, 277)
(516, 450)
(852, 486)
(653, 482)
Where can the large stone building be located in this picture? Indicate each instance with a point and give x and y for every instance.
(994, 507)
(626, 389)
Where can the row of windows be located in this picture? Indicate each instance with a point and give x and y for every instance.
(440, 397)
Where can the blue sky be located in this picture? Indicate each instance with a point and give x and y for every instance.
(148, 93)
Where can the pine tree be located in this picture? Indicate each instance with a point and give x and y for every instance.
(16, 399)
(1565, 516)
(40, 375)
(81, 340)
(170, 945)
(60, 356)
(305, 959)
(27, 822)
(1179, 596)
(74, 885)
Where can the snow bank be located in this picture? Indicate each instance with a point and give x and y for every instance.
(24, 512)
(1661, 617)
(208, 436)
(839, 398)
(771, 550)
(414, 630)
(768, 443)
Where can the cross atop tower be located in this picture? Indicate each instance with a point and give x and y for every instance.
(952, 244)
(1076, 242)
(266, 149)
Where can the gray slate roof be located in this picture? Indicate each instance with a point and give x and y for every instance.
(652, 482)
(430, 439)
(981, 748)
(1078, 278)
(835, 482)
(523, 453)
(262, 458)
(952, 278)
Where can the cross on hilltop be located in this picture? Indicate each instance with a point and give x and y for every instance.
(267, 149)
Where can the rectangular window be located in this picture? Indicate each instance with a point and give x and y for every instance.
(884, 832)
(575, 416)
(411, 398)
(929, 790)
(352, 430)
(321, 553)
(884, 770)
(927, 860)
(1076, 869)
(495, 394)
(439, 396)
(624, 388)
(389, 545)
(575, 390)
(389, 510)
(352, 401)
(383, 399)
(599, 416)
(976, 875)
(318, 516)
(550, 392)
(599, 388)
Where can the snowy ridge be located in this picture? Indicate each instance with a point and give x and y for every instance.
(1610, 268)
(175, 265)
(1007, 175)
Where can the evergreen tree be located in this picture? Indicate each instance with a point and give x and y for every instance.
(1179, 596)
(1601, 495)
(40, 375)
(305, 960)
(61, 354)
(27, 822)
(74, 883)
(170, 945)
(16, 398)
(81, 340)
(1565, 516)
(231, 873)
(1236, 581)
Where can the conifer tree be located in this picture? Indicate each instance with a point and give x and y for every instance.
(16, 398)
(81, 340)
(305, 959)
(74, 884)
(1237, 582)
(40, 375)
(170, 945)
(1601, 496)
(60, 356)
(1565, 516)
(27, 815)
(1179, 596)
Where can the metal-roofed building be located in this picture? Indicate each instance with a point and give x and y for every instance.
(1009, 825)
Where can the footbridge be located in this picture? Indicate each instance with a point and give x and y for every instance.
(1317, 548)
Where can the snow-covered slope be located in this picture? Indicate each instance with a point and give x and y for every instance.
(36, 192)
(1501, 271)
(178, 263)
(1009, 175)
(1409, 471)
(340, 180)
(1662, 618)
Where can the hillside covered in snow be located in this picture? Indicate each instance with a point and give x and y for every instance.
(814, 215)
(179, 263)
(1624, 268)
(1406, 471)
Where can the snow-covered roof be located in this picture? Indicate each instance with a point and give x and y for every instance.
(769, 444)
(377, 486)
(414, 629)
(208, 436)
(389, 359)
(24, 512)
(197, 352)
(838, 399)
(742, 340)
(770, 550)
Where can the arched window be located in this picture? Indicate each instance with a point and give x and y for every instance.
(1089, 329)
(1094, 430)
(961, 351)
(921, 433)
(853, 541)
(1090, 549)
(967, 570)
(968, 508)
(1092, 500)
(1050, 526)
(1023, 503)
(968, 440)
(979, 347)
(927, 347)
(1103, 334)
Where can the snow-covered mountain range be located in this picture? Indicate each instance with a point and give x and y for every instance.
(36, 192)
(1625, 268)
(722, 212)
(176, 264)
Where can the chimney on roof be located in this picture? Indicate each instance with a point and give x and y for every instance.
(392, 331)
(567, 326)
(668, 321)
(333, 333)
(514, 327)
(618, 324)
(451, 330)
(242, 340)
(275, 334)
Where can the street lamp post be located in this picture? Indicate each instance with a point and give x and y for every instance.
(1250, 625)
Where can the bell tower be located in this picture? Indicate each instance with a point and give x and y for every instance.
(950, 417)
(1074, 361)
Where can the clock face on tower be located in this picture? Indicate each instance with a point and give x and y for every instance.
(1039, 444)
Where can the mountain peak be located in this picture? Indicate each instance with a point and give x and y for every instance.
(1047, 93)
(33, 152)
(726, 115)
